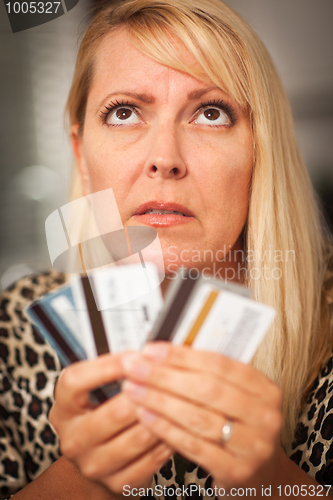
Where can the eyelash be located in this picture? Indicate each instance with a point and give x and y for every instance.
(223, 106)
(217, 103)
(115, 105)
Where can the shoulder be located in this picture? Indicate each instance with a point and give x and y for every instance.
(20, 342)
(29, 288)
(29, 368)
(312, 448)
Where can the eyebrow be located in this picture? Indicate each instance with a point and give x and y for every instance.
(147, 98)
(150, 99)
(196, 94)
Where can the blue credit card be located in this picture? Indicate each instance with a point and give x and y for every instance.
(55, 317)
(49, 315)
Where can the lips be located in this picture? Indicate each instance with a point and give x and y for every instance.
(163, 205)
(176, 215)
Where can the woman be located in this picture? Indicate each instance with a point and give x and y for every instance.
(177, 106)
(194, 114)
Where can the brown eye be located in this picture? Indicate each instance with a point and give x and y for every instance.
(123, 116)
(212, 114)
(123, 113)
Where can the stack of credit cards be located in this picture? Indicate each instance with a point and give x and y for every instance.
(120, 308)
(109, 310)
(212, 315)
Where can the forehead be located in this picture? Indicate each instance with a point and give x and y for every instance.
(119, 62)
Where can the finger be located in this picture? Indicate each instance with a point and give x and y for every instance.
(76, 382)
(229, 468)
(242, 375)
(98, 426)
(204, 389)
(144, 466)
(127, 447)
(198, 420)
(191, 447)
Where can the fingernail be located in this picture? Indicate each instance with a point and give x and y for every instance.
(134, 391)
(146, 416)
(156, 351)
(134, 365)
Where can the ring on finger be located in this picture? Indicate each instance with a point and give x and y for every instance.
(226, 432)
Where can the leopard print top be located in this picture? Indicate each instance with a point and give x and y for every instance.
(29, 368)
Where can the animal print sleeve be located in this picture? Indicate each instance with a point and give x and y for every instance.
(28, 368)
(312, 449)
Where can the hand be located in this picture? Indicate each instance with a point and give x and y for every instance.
(185, 397)
(106, 442)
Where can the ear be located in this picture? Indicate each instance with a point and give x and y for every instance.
(77, 147)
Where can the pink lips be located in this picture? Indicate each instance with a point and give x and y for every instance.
(163, 220)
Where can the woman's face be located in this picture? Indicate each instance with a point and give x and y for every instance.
(163, 140)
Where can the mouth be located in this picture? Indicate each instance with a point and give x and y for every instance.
(161, 213)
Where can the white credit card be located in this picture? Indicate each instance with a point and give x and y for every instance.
(213, 315)
(65, 309)
(117, 307)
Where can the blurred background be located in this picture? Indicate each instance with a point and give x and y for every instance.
(36, 66)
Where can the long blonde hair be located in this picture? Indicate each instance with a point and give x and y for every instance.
(283, 214)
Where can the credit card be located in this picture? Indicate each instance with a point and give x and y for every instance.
(55, 316)
(56, 319)
(117, 307)
(212, 315)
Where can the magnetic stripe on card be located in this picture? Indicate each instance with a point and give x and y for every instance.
(95, 316)
(179, 302)
(55, 333)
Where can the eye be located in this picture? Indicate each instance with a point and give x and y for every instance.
(122, 115)
(212, 116)
(215, 113)
(119, 113)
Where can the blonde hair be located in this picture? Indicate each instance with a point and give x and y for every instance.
(283, 213)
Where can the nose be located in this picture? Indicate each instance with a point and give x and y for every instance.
(165, 159)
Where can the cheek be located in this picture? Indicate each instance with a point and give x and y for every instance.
(108, 166)
(226, 180)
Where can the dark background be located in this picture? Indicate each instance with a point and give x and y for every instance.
(35, 73)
